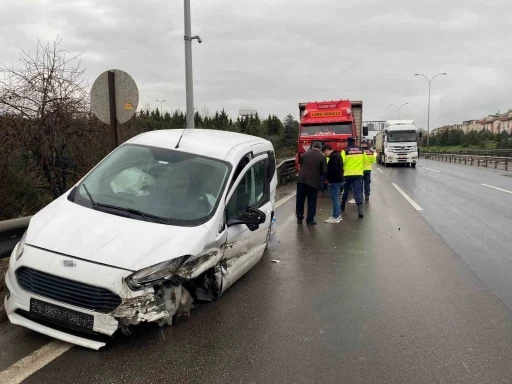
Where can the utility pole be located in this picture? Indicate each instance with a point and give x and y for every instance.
(161, 107)
(189, 81)
(428, 110)
(399, 108)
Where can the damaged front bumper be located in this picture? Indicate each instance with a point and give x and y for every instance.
(162, 304)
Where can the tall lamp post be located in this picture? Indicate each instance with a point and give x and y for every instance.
(398, 107)
(428, 111)
(161, 108)
(188, 65)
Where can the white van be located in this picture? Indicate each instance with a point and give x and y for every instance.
(168, 217)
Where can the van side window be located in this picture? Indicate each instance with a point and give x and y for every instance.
(251, 192)
(241, 165)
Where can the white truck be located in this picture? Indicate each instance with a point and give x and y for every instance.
(397, 143)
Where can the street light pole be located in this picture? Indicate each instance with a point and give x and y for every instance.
(189, 83)
(398, 107)
(428, 110)
(161, 108)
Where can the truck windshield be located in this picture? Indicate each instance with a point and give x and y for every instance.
(396, 137)
(326, 129)
(174, 187)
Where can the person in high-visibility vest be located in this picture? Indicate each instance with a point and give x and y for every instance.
(366, 145)
(354, 160)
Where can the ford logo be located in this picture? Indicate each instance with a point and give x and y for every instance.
(68, 263)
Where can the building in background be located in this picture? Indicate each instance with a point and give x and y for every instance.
(495, 123)
(504, 123)
(490, 122)
(439, 130)
(470, 125)
(247, 112)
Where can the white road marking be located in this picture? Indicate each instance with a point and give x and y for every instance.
(406, 196)
(284, 200)
(499, 189)
(32, 363)
(380, 170)
(430, 169)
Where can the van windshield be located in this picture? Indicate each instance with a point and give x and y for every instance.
(155, 184)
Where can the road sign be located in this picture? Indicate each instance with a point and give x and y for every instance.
(126, 95)
(114, 99)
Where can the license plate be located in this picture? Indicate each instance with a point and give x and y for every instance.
(402, 157)
(61, 315)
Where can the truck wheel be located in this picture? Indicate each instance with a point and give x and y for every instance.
(413, 165)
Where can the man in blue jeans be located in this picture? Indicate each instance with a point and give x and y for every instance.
(312, 166)
(335, 178)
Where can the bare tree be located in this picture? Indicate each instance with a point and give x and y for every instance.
(45, 112)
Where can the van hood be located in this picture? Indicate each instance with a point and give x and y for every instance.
(77, 231)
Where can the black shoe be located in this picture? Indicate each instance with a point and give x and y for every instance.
(312, 223)
(299, 221)
(360, 210)
(367, 198)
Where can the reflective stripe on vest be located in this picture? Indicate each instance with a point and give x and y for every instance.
(353, 161)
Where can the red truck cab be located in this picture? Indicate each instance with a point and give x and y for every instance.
(329, 122)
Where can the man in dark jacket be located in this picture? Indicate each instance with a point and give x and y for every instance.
(335, 179)
(312, 166)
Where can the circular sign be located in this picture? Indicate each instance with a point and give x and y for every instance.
(127, 97)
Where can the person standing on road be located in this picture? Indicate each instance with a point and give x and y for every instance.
(367, 174)
(354, 159)
(323, 181)
(334, 177)
(313, 166)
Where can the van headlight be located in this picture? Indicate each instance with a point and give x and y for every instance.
(21, 247)
(155, 274)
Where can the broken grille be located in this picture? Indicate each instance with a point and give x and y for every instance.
(67, 291)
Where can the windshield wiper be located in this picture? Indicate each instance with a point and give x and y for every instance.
(90, 196)
(145, 216)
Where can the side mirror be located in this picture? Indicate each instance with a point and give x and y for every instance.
(420, 135)
(385, 131)
(365, 131)
(252, 217)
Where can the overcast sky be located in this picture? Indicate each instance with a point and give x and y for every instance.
(271, 54)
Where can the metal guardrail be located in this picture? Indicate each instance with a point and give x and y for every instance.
(478, 152)
(285, 170)
(480, 161)
(11, 232)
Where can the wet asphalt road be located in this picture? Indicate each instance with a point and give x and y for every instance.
(475, 220)
(379, 300)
